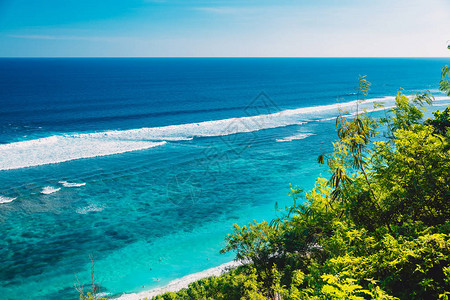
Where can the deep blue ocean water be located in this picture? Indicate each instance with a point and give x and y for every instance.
(146, 163)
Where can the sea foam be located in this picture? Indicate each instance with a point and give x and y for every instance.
(4, 199)
(71, 184)
(49, 190)
(57, 149)
(298, 136)
(61, 148)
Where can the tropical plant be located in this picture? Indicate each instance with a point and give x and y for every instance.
(378, 228)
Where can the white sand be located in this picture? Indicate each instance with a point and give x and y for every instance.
(183, 282)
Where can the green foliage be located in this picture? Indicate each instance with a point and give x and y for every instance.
(440, 122)
(237, 284)
(379, 228)
(259, 243)
(407, 113)
(256, 242)
(444, 84)
(413, 175)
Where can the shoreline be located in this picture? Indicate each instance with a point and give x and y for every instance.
(181, 283)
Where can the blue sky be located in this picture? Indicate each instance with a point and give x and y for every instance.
(306, 28)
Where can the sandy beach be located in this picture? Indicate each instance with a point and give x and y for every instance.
(181, 283)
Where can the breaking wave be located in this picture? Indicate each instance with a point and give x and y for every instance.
(49, 190)
(71, 184)
(61, 148)
(299, 136)
(4, 199)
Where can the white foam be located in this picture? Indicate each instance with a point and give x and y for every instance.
(88, 209)
(182, 283)
(57, 149)
(298, 136)
(232, 125)
(4, 199)
(340, 105)
(71, 184)
(441, 98)
(49, 190)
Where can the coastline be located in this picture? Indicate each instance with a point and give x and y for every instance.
(182, 222)
(182, 282)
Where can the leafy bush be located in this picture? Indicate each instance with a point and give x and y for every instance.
(379, 228)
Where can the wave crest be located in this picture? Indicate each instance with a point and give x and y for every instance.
(299, 136)
(4, 199)
(57, 149)
(49, 190)
(71, 184)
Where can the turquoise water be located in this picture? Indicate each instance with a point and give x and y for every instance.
(154, 204)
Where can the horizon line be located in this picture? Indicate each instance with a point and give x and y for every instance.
(8, 57)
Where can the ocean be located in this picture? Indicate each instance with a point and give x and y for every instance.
(144, 164)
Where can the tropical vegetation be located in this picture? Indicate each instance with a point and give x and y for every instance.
(377, 228)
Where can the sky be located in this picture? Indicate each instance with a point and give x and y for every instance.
(245, 28)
